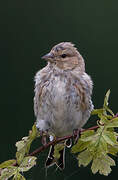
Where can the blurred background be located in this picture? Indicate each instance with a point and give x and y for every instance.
(28, 30)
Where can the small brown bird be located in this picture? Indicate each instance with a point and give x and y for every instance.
(63, 89)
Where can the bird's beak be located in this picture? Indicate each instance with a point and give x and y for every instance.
(48, 57)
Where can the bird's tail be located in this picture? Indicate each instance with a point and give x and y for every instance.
(51, 160)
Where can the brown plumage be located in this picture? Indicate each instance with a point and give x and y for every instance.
(63, 91)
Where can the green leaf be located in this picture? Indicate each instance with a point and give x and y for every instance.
(105, 105)
(8, 172)
(26, 141)
(113, 149)
(110, 137)
(57, 148)
(102, 164)
(27, 163)
(87, 133)
(18, 176)
(110, 111)
(32, 135)
(23, 146)
(7, 163)
(90, 138)
(84, 158)
(96, 145)
(106, 99)
(112, 123)
(103, 119)
(97, 111)
(101, 146)
(34, 132)
(81, 145)
(20, 155)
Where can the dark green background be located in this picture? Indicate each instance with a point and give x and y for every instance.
(28, 29)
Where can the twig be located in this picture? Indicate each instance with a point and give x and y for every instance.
(57, 140)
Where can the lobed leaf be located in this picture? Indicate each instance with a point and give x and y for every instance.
(102, 164)
(34, 132)
(97, 147)
(27, 163)
(113, 149)
(110, 111)
(8, 172)
(87, 133)
(105, 105)
(97, 111)
(23, 146)
(103, 119)
(80, 146)
(20, 155)
(57, 148)
(18, 176)
(90, 138)
(84, 158)
(106, 99)
(112, 123)
(110, 137)
(7, 163)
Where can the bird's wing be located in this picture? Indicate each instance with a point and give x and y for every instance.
(83, 86)
(41, 79)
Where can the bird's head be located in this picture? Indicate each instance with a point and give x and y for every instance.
(65, 56)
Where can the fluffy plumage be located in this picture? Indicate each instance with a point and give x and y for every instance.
(63, 91)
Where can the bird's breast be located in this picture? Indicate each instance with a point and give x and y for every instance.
(63, 96)
(60, 90)
(60, 104)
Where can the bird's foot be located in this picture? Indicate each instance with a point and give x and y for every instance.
(44, 135)
(76, 135)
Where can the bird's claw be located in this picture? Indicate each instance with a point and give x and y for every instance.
(76, 135)
(44, 137)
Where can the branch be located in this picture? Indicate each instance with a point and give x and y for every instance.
(57, 140)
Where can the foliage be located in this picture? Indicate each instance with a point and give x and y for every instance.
(96, 146)
(23, 162)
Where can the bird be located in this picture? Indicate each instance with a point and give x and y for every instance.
(62, 100)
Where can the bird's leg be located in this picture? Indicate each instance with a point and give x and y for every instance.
(44, 137)
(76, 135)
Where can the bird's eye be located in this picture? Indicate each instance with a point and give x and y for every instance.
(63, 55)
